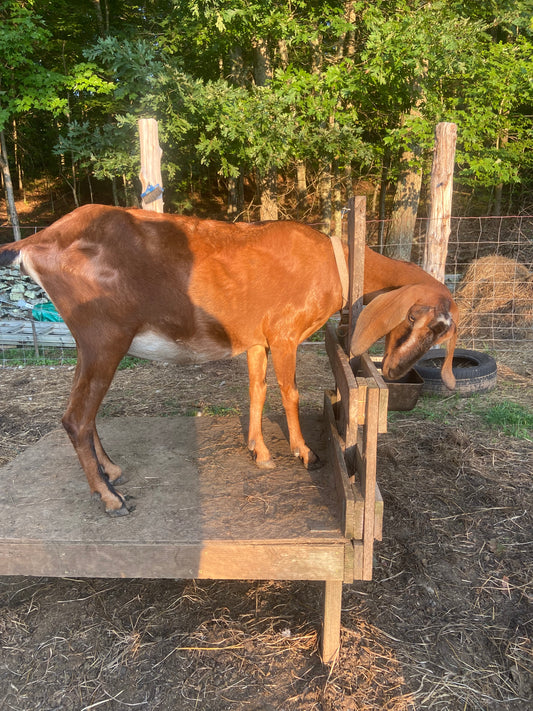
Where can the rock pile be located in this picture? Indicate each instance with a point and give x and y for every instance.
(18, 294)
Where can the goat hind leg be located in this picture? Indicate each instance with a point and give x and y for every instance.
(91, 382)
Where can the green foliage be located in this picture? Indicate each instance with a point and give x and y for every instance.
(25, 83)
(345, 83)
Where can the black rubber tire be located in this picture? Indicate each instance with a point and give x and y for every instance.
(474, 372)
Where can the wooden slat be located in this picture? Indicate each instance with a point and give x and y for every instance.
(343, 488)
(369, 370)
(349, 562)
(20, 333)
(368, 479)
(224, 560)
(358, 560)
(345, 383)
(362, 386)
(359, 502)
(350, 497)
(378, 518)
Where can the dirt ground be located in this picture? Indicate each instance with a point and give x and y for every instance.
(445, 624)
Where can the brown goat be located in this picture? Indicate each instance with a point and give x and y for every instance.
(186, 290)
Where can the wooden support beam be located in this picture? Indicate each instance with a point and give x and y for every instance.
(331, 630)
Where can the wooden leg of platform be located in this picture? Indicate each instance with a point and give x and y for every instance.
(331, 629)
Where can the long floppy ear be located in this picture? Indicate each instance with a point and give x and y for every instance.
(446, 372)
(382, 314)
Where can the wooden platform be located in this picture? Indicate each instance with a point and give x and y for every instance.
(203, 509)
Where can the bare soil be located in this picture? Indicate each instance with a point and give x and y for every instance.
(445, 624)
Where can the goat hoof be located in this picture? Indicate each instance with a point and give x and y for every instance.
(313, 462)
(263, 463)
(267, 464)
(122, 511)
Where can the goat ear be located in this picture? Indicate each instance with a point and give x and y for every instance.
(382, 314)
(446, 372)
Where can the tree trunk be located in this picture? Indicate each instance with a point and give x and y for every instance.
(399, 239)
(301, 186)
(498, 192)
(235, 197)
(262, 66)
(324, 189)
(384, 182)
(103, 28)
(8, 185)
(114, 190)
(237, 68)
(267, 188)
(436, 248)
(74, 184)
(266, 179)
(18, 165)
(336, 202)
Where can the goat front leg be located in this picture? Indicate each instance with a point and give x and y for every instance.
(284, 358)
(91, 382)
(257, 367)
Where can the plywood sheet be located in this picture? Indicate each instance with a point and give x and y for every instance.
(202, 507)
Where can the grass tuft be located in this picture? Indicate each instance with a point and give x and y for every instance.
(511, 418)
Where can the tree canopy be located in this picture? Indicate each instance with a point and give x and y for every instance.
(330, 92)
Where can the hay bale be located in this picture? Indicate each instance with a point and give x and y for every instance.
(496, 300)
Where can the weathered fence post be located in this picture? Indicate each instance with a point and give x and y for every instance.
(438, 231)
(150, 175)
(356, 265)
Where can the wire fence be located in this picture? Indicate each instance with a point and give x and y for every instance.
(489, 271)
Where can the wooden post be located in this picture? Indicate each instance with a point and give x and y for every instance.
(356, 263)
(150, 175)
(331, 630)
(438, 232)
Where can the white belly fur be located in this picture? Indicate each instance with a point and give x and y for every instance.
(154, 346)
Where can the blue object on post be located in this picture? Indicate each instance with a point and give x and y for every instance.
(151, 193)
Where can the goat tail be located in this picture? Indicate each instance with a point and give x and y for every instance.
(10, 254)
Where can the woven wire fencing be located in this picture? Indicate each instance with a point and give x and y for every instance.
(489, 271)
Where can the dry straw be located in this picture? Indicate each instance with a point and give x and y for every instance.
(496, 300)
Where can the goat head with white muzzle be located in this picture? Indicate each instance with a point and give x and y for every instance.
(412, 318)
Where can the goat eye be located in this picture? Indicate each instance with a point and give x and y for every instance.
(411, 319)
